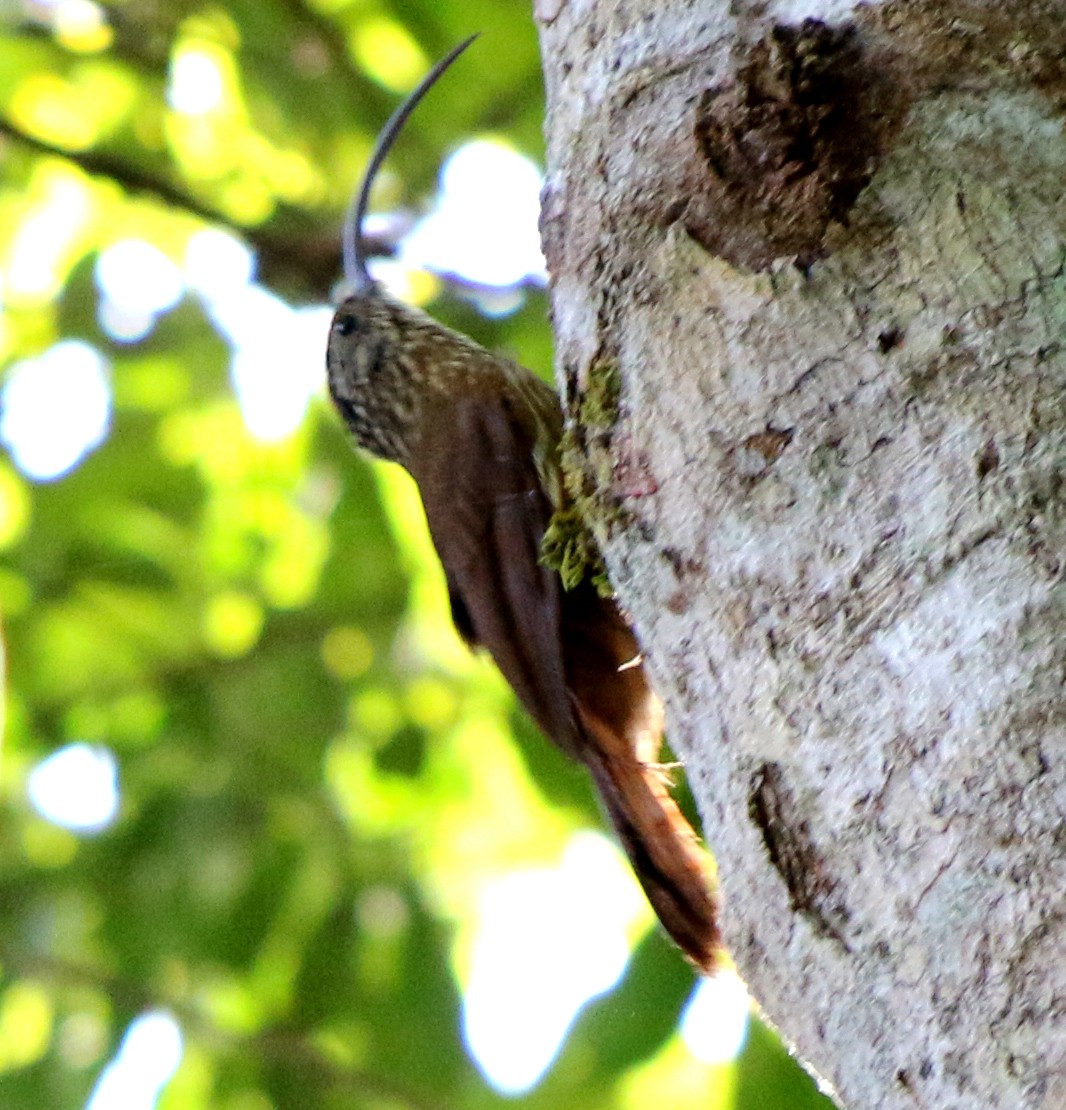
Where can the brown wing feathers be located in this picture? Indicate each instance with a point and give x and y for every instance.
(486, 513)
(571, 657)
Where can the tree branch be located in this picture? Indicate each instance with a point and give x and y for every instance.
(304, 261)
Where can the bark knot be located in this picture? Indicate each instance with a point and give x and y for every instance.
(792, 141)
(812, 891)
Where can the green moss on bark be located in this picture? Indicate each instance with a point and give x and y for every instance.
(571, 543)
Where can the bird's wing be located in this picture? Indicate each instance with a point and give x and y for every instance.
(487, 513)
(571, 657)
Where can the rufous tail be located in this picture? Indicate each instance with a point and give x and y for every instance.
(673, 868)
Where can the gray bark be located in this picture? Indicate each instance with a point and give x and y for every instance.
(809, 295)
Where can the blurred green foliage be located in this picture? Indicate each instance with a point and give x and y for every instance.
(317, 781)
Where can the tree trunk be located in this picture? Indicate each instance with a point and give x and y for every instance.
(809, 293)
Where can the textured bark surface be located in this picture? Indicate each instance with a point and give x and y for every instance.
(809, 293)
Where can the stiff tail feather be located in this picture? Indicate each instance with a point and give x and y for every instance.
(664, 850)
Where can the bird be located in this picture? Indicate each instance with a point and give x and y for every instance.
(481, 437)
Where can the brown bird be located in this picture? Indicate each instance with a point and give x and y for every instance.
(480, 435)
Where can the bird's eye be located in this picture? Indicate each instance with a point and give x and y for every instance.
(344, 325)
